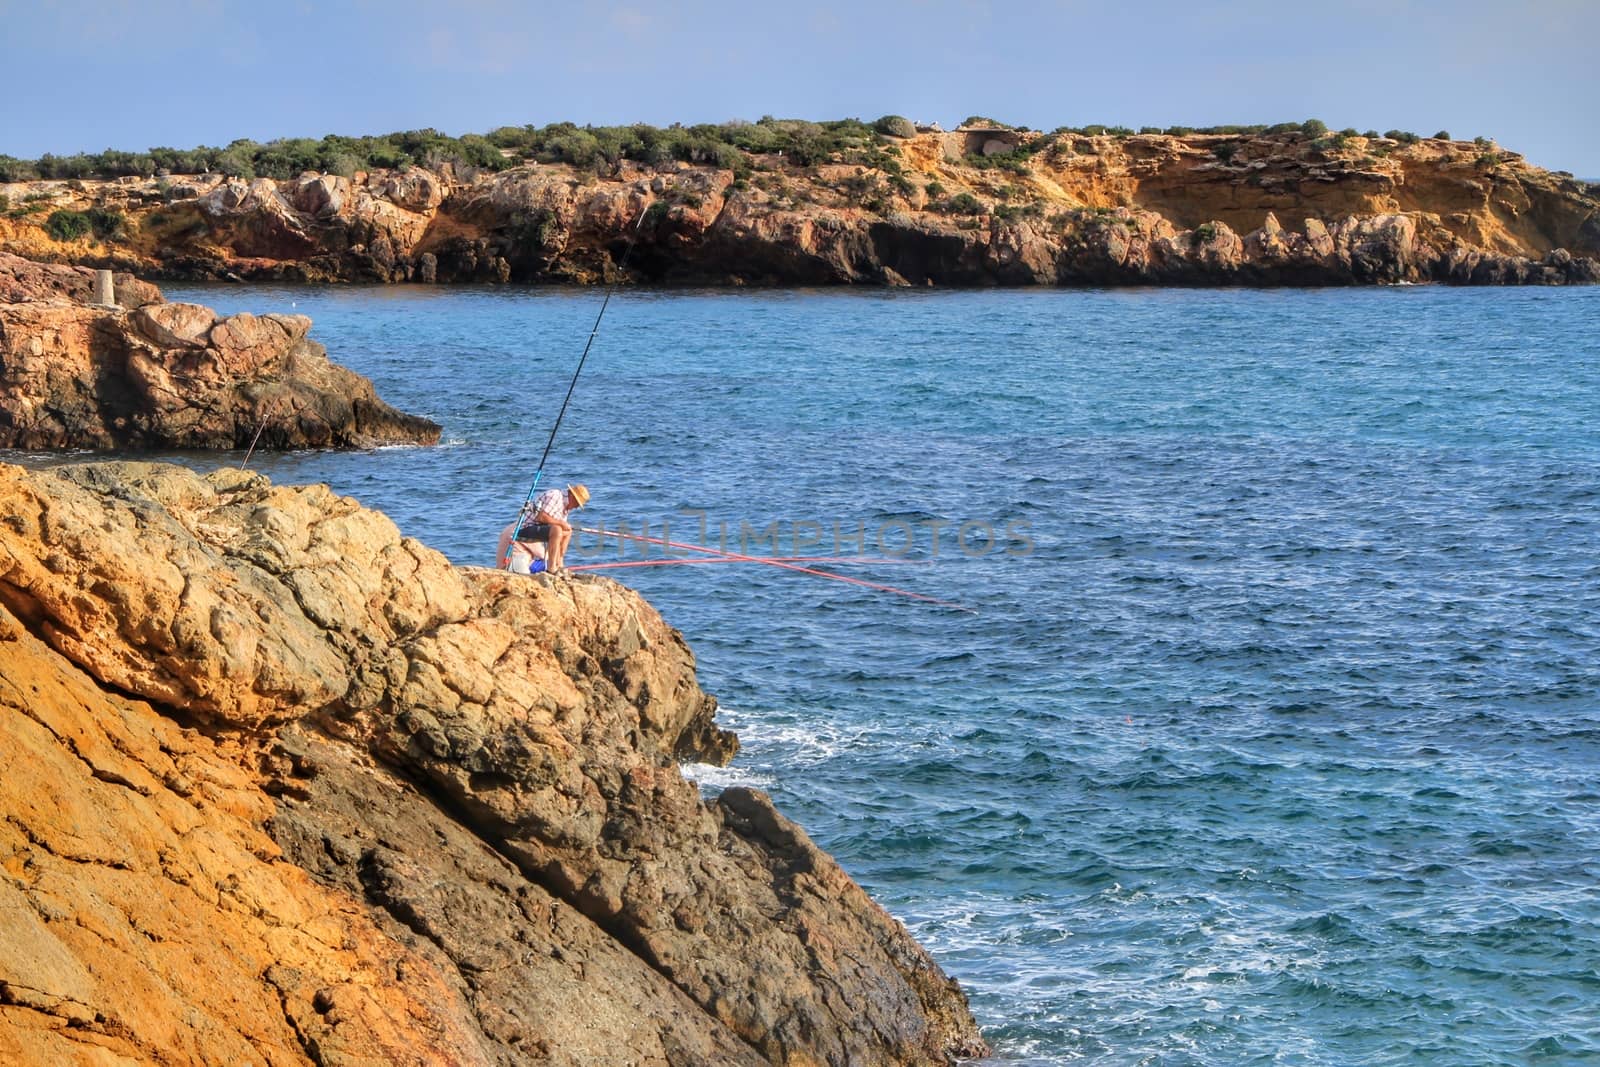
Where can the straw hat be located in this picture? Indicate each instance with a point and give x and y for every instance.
(580, 493)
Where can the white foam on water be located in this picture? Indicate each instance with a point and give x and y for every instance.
(767, 738)
(1251, 951)
(716, 779)
(771, 739)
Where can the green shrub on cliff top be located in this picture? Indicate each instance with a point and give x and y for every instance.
(238, 160)
(1032, 210)
(67, 225)
(344, 164)
(106, 223)
(1015, 161)
(895, 126)
(964, 204)
(13, 169)
(74, 166)
(729, 145)
(282, 158)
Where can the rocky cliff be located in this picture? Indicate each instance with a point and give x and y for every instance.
(972, 207)
(281, 786)
(150, 374)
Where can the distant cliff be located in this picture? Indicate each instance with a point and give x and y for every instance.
(278, 785)
(967, 208)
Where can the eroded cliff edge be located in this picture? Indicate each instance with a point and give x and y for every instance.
(149, 374)
(971, 207)
(281, 785)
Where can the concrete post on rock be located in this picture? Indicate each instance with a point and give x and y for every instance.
(105, 293)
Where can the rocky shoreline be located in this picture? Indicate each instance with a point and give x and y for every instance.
(149, 374)
(967, 208)
(284, 785)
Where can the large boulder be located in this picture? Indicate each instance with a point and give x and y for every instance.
(257, 218)
(175, 325)
(320, 195)
(73, 375)
(23, 279)
(283, 782)
(414, 189)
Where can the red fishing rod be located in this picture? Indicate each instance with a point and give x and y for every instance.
(734, 556)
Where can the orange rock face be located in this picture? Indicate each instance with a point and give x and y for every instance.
(159, 375)
(282, 786)
(146, 915)
(971, 208)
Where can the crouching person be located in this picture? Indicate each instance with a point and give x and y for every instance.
(547, 531)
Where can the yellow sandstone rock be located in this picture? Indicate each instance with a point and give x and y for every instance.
(959, 208)
(279, 785)
(153, 374)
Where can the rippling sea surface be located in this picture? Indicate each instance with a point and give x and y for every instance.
(1275, 735)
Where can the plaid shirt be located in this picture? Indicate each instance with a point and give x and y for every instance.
(550, 502)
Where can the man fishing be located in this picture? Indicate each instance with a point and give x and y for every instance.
(546, 534)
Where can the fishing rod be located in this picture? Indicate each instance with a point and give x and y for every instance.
(753, 559)
(735, 557)
(266, 411)
(594, 332)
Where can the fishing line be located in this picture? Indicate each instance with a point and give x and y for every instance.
(735, 557)
(594, 332)
(873, 560)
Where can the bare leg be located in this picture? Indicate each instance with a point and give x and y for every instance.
(558, 547)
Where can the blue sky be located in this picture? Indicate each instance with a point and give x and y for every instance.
(84, 76)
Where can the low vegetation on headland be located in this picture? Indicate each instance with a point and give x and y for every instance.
(732, 145)
(782, 201)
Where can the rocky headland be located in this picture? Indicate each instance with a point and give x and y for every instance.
(149, 374)
(282, 786)
(965, 208)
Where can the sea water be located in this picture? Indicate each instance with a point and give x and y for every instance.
(1272, 733)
